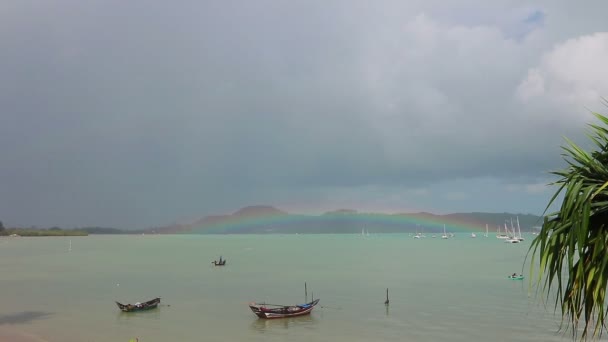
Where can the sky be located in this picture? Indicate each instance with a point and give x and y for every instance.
(135, 114)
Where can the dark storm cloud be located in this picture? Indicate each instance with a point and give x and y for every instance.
(139, 113)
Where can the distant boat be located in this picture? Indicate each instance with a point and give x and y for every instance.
(444, 236)
(473, 235)
(418, 234)
(501, 236)
(269, 311)
(486, 230)
(511, 238)
(519, 230)
(221, 262)
(149, 305)
(516, 277)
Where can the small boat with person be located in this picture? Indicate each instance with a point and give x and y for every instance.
(221, 262)
(515, 276)
(151, 304)
(268, 311)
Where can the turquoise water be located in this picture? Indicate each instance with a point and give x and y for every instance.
(450, 290)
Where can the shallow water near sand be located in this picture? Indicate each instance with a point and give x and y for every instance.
(451, 290)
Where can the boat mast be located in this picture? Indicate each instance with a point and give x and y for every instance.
(386, 302)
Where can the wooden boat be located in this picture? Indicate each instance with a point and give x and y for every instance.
(219, 263)
(263, 310)
(151, 304)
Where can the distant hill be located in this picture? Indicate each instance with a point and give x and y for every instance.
(102, 230)
(270, 220)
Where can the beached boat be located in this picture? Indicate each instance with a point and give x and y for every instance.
(263, 310)
(151, 304)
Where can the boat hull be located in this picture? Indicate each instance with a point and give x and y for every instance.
(261, 311)
(149, 305)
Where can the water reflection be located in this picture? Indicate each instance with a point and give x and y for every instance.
(126, 317)
(268, 325)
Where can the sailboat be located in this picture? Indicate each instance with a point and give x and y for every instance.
(444, 236)
(511, 238)
(486, 235)
(502, 236)
(519, 230)
(419, 234)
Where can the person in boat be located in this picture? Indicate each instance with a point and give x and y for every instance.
(514, 275)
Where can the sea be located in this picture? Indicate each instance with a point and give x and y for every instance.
(63, 289)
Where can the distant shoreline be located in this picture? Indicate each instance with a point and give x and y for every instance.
(23, 232)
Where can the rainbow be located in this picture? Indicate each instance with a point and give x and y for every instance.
(345, 222)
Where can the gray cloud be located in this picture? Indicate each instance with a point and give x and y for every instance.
(133, 114)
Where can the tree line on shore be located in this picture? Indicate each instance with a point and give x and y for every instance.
(53, 231)
(58, 231)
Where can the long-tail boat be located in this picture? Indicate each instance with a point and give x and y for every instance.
(263, 310)
(151, 304)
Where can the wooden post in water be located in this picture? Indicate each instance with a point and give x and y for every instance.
(386, 302)
(305, 293)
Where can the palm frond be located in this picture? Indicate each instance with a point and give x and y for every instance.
(571, 248)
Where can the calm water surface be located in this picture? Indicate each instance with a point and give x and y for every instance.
(440, 290)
